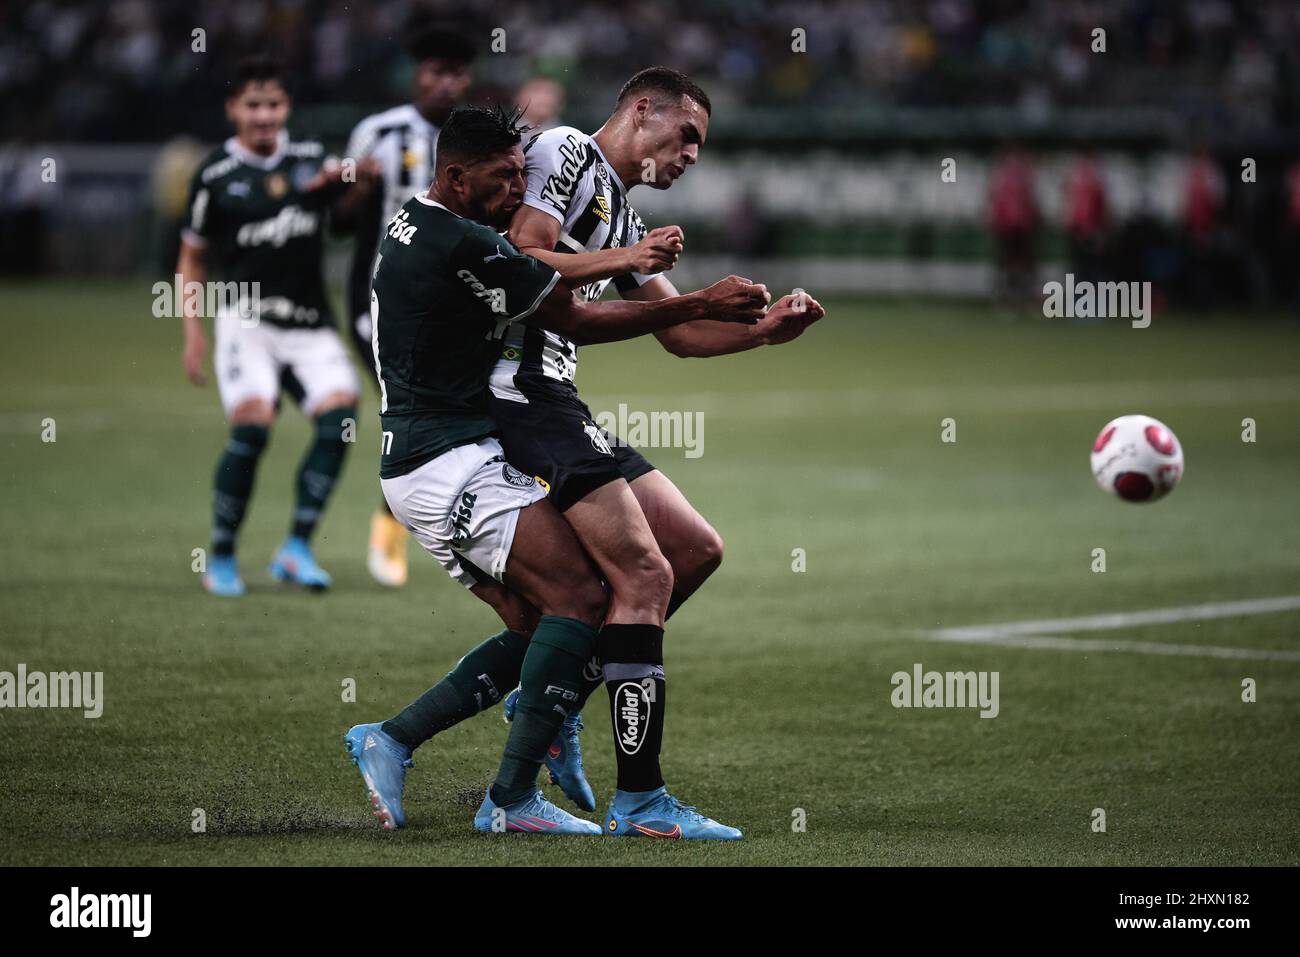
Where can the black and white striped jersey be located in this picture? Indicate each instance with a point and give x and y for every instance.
(569, 179)
(404, 144)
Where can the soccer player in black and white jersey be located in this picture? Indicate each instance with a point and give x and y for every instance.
(394, 156)
(653, 548)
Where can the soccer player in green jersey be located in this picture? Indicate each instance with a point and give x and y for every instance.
(446, 289)
(256, 218)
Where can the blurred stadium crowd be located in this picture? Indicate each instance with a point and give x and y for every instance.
(1123, 161)
(85, 69)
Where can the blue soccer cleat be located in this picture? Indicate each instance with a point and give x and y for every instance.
(222, 577)
(295, 563)
(382, 762)
(563, 757)
(659, 814)
(532, 815)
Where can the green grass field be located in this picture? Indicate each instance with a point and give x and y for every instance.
(780, 680)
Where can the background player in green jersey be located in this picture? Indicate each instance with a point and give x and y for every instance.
(256, 217)
(447, 287)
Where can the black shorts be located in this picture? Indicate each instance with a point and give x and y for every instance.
(554, 437)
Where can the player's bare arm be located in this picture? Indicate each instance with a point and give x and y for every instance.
(192, 267)
(730, 300)
(536, 233)
(345, 214)
(785, 320)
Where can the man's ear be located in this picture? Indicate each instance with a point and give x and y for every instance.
(641, 109)
(455, 173)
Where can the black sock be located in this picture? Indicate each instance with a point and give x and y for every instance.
(319, 469)
(633, 660)
(675, 601)
(480, 679)
(549, 680)
(233, 484)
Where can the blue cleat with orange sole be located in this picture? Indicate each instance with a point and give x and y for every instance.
(660, 815)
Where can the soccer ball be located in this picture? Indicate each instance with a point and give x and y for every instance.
(1137, 458)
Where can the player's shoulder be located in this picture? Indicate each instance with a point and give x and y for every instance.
(558, 140)
(377, 124)
(435, 222)
(218, 163)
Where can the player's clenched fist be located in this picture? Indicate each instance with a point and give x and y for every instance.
(737, 300)
(658, 251)
(788, 317)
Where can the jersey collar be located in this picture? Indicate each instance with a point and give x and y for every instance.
(613, 175)
(236, 148)
(423, 197)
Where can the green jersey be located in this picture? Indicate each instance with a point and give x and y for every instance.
(445, 290)
(252, 216)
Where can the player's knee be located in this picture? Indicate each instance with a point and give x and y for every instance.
(336, 402)
(516, 613)
(253, 412)
(648, 582)
(706, 554)
(584, 599)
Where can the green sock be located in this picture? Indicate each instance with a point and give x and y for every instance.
(550, 681)
(319, 469)
(593, 677)
(233, 484)
(480, 679)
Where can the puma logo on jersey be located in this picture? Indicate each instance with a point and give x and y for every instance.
(496, 255)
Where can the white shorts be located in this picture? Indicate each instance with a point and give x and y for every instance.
(463, 507)
(250, 358)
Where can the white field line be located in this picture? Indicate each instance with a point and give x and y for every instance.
(1034, 634)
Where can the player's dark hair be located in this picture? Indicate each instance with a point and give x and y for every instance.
(668, 83)
(260, 68)
(441, 43)
(474, 133)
